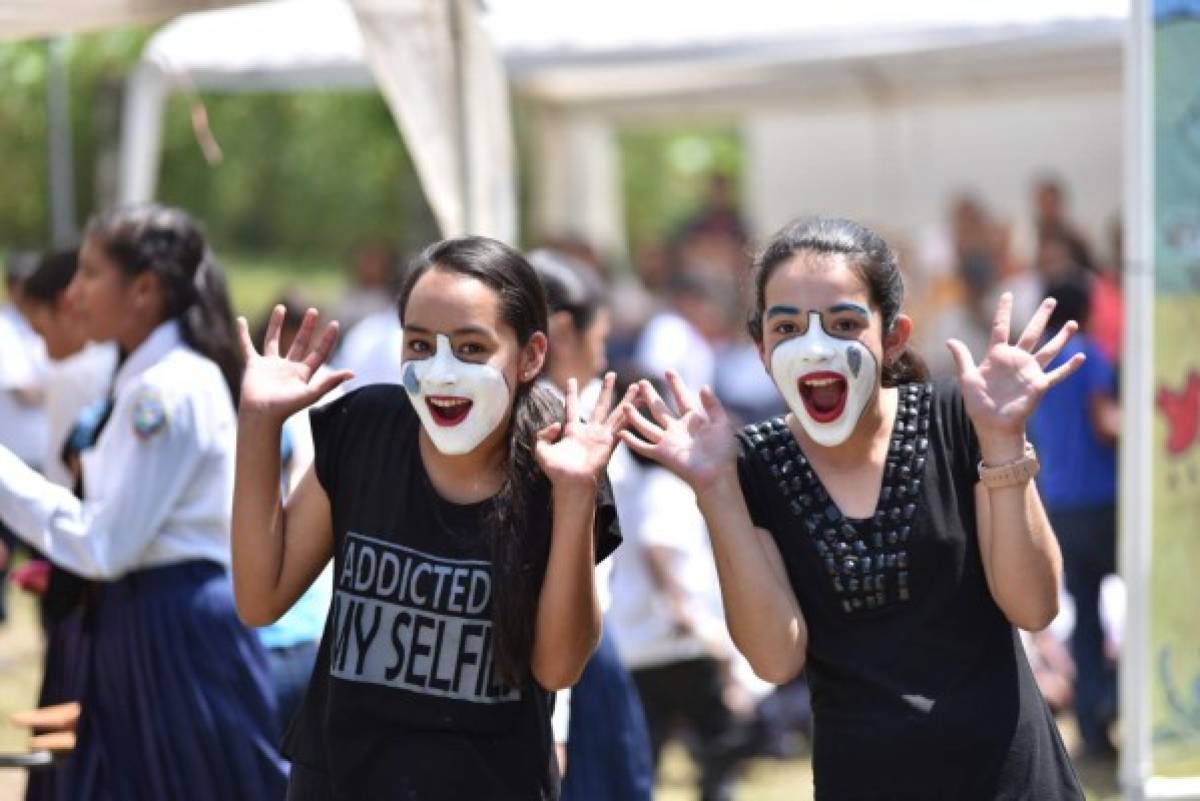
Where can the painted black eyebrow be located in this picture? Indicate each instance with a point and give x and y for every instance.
(853, 307)
(470, 329)
(777, 310)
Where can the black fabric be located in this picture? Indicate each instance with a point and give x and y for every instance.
(692, 692)
(927, 695)
(404, 703)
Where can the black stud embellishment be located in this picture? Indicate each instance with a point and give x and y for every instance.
(859, 556)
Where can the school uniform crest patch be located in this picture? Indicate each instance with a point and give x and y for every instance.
(149, 415)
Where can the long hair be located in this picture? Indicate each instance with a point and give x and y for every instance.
(519, 547)
(866, 253)
(170, 243)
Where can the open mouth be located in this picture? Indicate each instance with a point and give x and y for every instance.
(448, 411)
(824, 395)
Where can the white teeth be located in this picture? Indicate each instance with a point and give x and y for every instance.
(447, 404)
(821, 382)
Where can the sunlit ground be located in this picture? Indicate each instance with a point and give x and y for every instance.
(255, 283)
(765, 780)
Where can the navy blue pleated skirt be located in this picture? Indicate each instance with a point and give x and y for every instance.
(64, 678)
(178, 702)
(608, 748)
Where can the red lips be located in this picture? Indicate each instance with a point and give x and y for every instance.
(824, 394)
(447, 410)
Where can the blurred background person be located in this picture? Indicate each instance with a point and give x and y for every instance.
(1051, 219)
(1075, 430)
(78, 377)
(78, 372)
(683, 336)
(607, 748)
(176, 702)
(22, 391)
(667, 618)
(1106, 316)
(373, 283)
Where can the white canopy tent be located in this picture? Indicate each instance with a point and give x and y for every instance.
(431, 60)
(31, 19)
(873, 109)
(846, 100)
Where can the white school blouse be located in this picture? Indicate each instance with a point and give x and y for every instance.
(158, 484)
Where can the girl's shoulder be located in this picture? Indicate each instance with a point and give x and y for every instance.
(372, 402)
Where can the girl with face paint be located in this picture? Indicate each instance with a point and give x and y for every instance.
(884, 534)
(463, 510)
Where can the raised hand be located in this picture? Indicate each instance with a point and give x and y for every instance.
(1002, 392)
(697, 444)
(279, 386)
(577, 451)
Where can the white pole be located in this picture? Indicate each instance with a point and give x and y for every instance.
(60, 149)
(1137, 382)
(141, 134)
(462, 115)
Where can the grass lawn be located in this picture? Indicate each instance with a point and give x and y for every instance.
(257, 281)
(765, 780)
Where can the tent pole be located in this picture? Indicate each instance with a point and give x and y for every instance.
(461, 115)
(59, 149)
(1137, 381)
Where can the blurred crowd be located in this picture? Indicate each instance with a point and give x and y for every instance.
(682, 307)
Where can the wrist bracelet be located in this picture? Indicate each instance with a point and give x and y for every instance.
(1011, 474)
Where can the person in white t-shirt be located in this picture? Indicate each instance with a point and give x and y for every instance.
(78, 372)
(78, 375)
(667, 618)
(22, 370)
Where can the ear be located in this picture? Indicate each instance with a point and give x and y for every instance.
(533, 357)
(145, 292)
(896, 340)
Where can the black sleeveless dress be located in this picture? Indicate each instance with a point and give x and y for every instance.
(920, 686)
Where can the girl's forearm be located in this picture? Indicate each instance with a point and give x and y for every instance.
(1022, 558)
(568, 616)
(761, 611)
(257, 533)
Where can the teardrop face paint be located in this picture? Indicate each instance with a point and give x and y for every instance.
(460, 403)
(827, 382)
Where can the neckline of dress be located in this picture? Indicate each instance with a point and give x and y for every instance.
(893, 446)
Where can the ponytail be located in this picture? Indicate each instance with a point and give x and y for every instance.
(170, 243)
(207, 325)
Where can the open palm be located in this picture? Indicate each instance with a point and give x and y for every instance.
(578, 450)
(696, 444)
(280, 386)
(1002, 392)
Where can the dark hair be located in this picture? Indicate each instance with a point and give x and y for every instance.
(519, 546)
(1073, 300)
(52, 277)
(170, 243)
(570, 286)
(18, 266)
(866, 253)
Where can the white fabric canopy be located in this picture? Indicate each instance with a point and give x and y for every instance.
(431, 60)
(29, 19)
(586, 65)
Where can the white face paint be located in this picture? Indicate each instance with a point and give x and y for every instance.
(459, 403)
(826, 382)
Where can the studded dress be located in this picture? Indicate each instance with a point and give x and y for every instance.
(920, 686)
